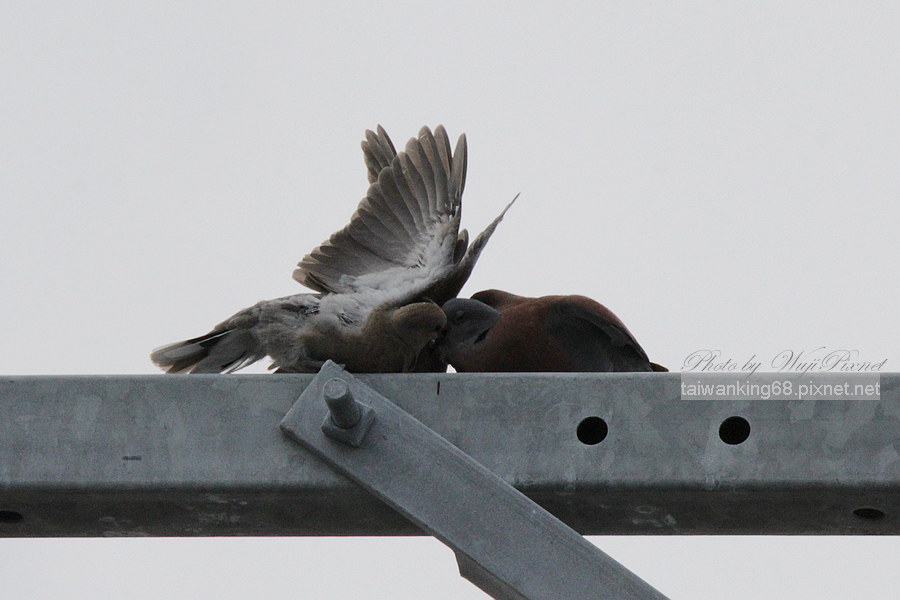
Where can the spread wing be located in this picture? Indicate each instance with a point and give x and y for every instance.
(404, 239)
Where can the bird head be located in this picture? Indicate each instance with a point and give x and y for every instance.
(418, 323)
(468, 323)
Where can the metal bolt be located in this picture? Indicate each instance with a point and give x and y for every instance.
(344, 409)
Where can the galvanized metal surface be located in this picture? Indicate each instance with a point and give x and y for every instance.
(505, 543)
(203, 455)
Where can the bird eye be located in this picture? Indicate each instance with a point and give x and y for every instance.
(459, 318)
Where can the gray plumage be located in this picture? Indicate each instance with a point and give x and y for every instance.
(377, 278)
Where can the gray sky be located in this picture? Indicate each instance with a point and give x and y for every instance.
(722, 176)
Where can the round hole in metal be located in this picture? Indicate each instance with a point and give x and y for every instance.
(592, 430)
(734, 430)
(868, 514)
(10, 516)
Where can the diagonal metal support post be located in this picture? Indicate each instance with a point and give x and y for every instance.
(505, 544)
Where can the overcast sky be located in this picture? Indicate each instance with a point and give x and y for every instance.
(721, 175)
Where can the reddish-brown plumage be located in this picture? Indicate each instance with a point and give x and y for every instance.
(546, 334)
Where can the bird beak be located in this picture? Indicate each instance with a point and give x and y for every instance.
(436, 342)
(483, 335)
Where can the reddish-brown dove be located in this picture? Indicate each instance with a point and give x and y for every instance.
(496, 331)
(380, 280)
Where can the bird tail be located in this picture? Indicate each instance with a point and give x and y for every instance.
(219, 351)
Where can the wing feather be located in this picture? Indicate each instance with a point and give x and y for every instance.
(423, 169)
(440, 170)
(458, 170)
(402, 205)
(378, 152)
(418, 194)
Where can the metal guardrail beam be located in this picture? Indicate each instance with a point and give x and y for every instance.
(203, 455)
(504, 543)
